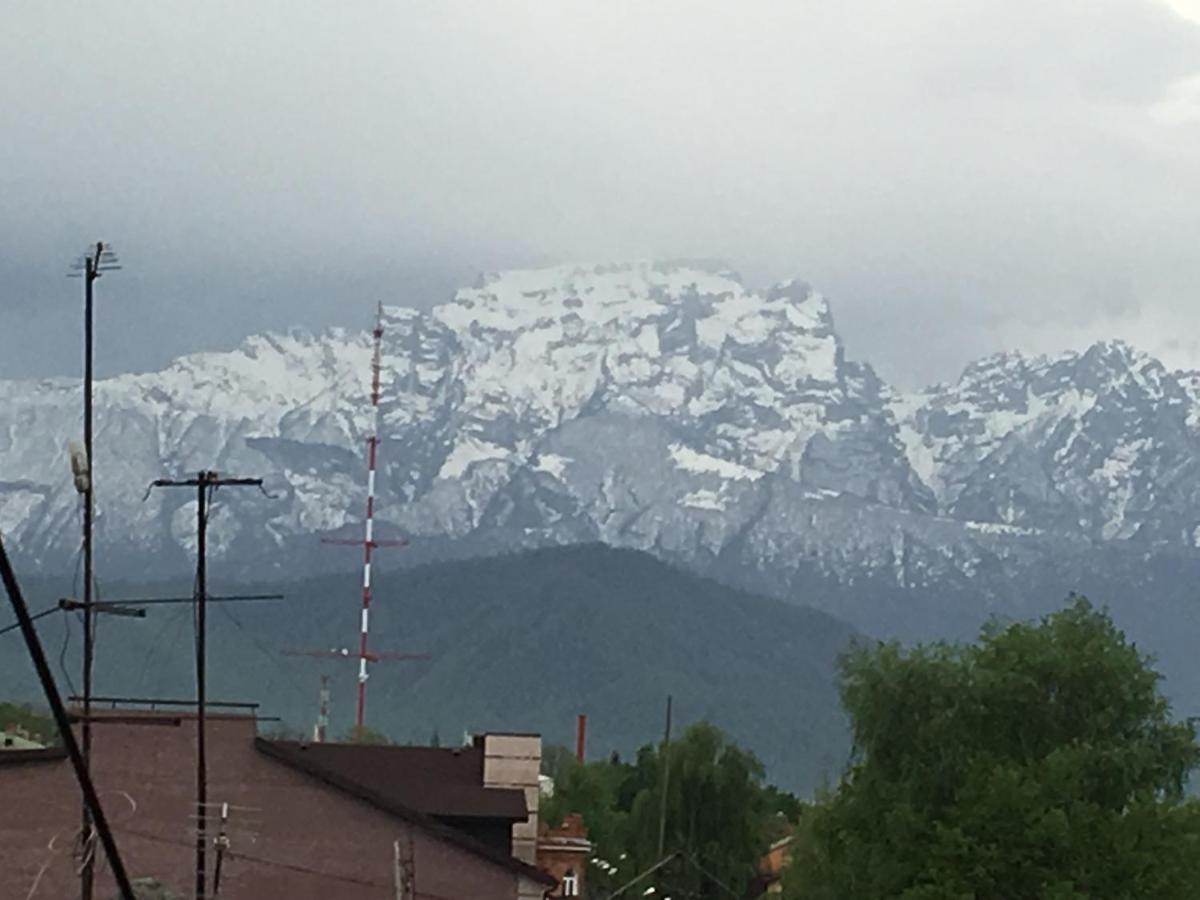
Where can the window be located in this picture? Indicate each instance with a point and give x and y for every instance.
(570, 884)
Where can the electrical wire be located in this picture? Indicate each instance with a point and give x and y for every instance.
(703, 871)
(174, 620)
(262, 861)
(87, 845)
(78, 553)
(272, 655)
(62, 654)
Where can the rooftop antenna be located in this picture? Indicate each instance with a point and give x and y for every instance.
(322, 726)
(320, 731)
(368, 542)
(90, 266)
(205, 483)
(90, 798)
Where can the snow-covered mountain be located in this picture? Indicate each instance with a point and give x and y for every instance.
(658, 406)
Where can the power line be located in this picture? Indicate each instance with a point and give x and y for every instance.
(15, 626)
(267, 652)
(62, 654)
(175, 619)
(263, 861)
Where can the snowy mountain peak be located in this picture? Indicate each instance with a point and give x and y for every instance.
(665, 406)
(593, 294)
(1093, 443)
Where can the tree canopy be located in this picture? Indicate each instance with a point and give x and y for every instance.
(38, 724)
(1039, 762)
(719, 816)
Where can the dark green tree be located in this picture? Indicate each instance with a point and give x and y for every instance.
(365, 735)
(718, 816)
(1039, 762)
(593, 790)
(716, 812)
(557, 760)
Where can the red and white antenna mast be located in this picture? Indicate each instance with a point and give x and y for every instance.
(368, 542)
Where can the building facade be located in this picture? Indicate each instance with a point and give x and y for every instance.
(563, 853)
(293, 830)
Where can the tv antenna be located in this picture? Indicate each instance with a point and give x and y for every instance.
(320, 731)
(95, 261)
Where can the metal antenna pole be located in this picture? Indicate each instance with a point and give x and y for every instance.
(662, 816)
(96, 261)
(368, 537)
(320, 731)
(201, 683)
(368, 543)
(40, 615)
(204, 483)
(87, 788)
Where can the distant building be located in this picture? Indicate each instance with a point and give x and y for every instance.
(305, 821)
(14, 737)
(771, 866)
(563, 853)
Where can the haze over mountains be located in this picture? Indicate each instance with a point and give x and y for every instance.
(662, 407)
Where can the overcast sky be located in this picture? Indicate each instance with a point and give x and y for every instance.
(958, 176)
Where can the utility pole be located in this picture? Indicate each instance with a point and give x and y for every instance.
(666, 752)
(92, 265)
(205, 483)
(90, 798)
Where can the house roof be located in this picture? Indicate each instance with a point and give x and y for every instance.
(341, 775)
(16, 757)
(439, 782)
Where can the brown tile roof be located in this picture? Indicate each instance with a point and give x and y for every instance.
(344, 778)
(436, 781)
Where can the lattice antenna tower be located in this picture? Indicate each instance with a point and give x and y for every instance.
(368, 542)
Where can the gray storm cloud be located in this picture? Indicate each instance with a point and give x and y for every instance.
(958, 177)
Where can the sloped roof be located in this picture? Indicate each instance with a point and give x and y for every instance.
(365, 776)
(35, 755)
(439, 782)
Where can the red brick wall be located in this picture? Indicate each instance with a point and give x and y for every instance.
(557, 863)
(293, 838)
(563, 849)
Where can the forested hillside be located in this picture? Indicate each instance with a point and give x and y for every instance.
(518, 642)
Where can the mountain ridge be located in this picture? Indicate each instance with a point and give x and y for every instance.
(661, 407)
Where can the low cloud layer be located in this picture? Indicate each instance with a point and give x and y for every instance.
(958, 178)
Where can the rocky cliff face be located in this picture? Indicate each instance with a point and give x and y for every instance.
(662, 407)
